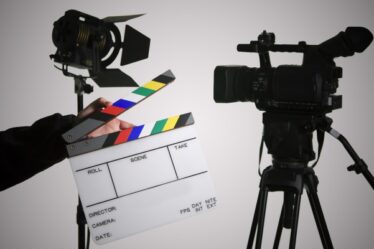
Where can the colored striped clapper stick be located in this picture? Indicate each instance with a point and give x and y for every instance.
(129, 134)
(99, 118)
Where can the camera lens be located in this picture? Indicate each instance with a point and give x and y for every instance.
(233, 83)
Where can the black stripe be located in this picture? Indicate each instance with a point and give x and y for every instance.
(102, 116)
(163, 79)
(110, 139)
(182, 120)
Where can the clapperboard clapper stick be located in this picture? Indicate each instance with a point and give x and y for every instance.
(99, 118)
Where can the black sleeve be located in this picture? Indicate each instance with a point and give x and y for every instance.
(26, 151)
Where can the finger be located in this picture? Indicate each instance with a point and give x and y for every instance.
(98, 104)
(124, 125)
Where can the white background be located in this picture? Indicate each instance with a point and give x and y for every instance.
(191, 38)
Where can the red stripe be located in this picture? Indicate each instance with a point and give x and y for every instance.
(123, 136)
(113, 110)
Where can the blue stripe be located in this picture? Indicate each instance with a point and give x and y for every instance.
(122, 103)
(136, 130)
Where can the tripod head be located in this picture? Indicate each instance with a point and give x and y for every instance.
(288, 139)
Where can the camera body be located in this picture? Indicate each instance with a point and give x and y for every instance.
(303, 89)
(288, 88)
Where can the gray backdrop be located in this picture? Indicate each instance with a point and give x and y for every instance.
(191, 38)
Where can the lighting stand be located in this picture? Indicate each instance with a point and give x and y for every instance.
(81, 87)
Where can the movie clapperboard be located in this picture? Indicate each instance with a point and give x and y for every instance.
(142, 177)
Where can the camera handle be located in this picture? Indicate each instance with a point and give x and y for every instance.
(359, 165)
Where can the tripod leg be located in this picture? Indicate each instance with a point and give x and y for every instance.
(320, 220)
(261, 218)
(295, 220)
(317, 212)
(279, 229)
(254, 222)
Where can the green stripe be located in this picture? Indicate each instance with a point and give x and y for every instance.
(143, 91)
(159, 126)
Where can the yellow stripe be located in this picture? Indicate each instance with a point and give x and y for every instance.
(154, 85)
(170, 123)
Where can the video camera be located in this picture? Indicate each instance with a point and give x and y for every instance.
(305, 89)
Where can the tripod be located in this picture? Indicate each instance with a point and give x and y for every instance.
(291, 182)
(289, 140)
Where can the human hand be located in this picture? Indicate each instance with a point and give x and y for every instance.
(112, 126)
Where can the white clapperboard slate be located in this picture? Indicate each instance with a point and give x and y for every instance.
(142, 177)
